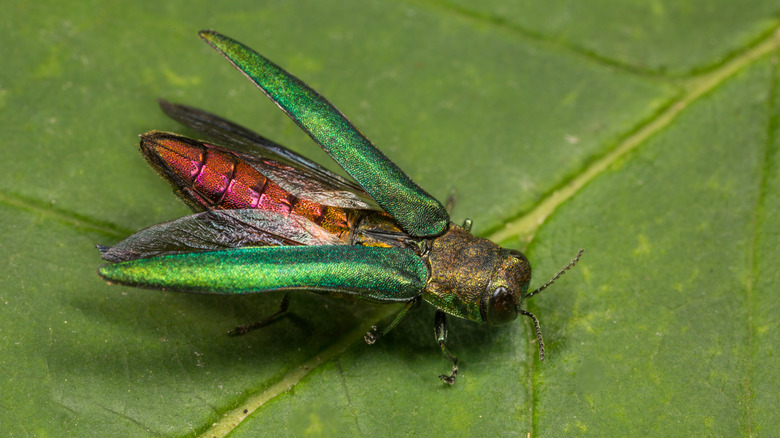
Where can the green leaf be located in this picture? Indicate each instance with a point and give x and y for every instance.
(645, 132)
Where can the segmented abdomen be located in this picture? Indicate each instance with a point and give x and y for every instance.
(216, 178)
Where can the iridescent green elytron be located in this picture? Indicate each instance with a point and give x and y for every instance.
(371, 273)
(268, 219)
(419, 213)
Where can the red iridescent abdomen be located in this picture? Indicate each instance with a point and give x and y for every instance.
(217, 179)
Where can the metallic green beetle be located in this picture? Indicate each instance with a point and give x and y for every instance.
(268, 219)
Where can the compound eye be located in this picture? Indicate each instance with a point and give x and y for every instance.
(502, 307)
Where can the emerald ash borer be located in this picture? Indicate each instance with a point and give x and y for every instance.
(268, 219)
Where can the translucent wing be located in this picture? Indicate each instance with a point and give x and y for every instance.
(218, 230)
(416, 211)
(295, 173)
(375, 274)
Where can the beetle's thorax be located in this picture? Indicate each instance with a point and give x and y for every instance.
(465, 268)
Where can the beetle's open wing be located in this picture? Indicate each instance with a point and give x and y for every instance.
(295, 173)
(218, 230)
(239, 138)
(202, 174)
(416, 211)
(375, 274)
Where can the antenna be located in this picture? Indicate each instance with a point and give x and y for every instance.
(543, 287)
(558, 275)
(538, 332)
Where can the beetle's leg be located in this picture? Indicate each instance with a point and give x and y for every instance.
(440, 330)
(375, 334)
(538, 332)
(244, 329)
(450, 204)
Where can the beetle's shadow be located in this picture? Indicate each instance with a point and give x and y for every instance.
(145, 328)
(150, 329)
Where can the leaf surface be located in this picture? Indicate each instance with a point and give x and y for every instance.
(646, 133)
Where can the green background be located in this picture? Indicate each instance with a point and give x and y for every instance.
(644, 132)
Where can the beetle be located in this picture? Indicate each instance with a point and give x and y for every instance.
(268, 219)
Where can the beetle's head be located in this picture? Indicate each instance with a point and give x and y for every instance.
(508, 288)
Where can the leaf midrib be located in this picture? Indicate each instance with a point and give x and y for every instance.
(527, 224)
